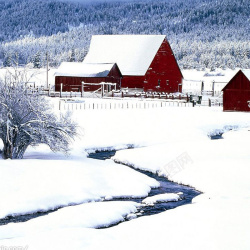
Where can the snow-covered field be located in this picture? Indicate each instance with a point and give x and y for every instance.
(170, 141)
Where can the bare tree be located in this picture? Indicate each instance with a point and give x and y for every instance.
(27, 119)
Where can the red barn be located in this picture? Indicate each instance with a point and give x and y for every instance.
(145, 61)
(236, 94)
(72, 74)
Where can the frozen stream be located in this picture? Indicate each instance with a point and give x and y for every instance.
(165, 187)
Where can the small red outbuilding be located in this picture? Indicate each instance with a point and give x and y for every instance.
(70, 76)
(236, 94)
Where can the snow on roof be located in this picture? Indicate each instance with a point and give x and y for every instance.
(246, 73)
(132, 53)
(84, 69)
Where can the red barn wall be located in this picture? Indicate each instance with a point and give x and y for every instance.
(133, 82)
(236, 94)
(73, 83)
(163, 75)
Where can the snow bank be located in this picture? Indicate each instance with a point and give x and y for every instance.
(160, 198)
(118, 128)
(32, 185)
(218, 167)
(90, 215)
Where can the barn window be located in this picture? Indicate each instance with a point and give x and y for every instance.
(167, 82)
(159, 83)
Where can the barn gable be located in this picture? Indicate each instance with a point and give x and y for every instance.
(241, 80)
(236, 94)
(132, 53)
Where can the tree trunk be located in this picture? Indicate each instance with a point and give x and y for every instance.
(7, 150)
(11, 152)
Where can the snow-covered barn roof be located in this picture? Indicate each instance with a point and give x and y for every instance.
(84, 69)
(246, 73)
(132, 53)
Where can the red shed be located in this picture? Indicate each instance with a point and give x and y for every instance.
(72, 74)
(145, 61)
(236, 94)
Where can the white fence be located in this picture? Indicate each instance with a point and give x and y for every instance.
(121, 105)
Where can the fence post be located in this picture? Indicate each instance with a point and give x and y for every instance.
(61, 88)
(49, 90)
(82, 92)
(209, 102)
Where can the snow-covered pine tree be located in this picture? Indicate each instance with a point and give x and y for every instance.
(37, 61)
(7, 62)
(26, 119)
(72, 57)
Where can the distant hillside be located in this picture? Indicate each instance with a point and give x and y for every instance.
(203, 33)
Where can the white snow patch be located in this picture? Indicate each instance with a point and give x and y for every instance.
(160, 198)
(84, 69)
(29, 186)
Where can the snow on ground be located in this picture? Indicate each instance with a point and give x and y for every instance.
(43, 184)
(173, 142)
(143, 127)
(216, 167)
(162, 198)
(90, 215)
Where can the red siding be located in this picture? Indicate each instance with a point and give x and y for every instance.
(133, 82)
(236, 94)
(163, 75)
(73, 83)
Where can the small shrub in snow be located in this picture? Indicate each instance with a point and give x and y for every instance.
(26, 119)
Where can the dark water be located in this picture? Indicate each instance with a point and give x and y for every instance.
(216, 137)
(166, 187)
(102, 155)
(23, 218)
